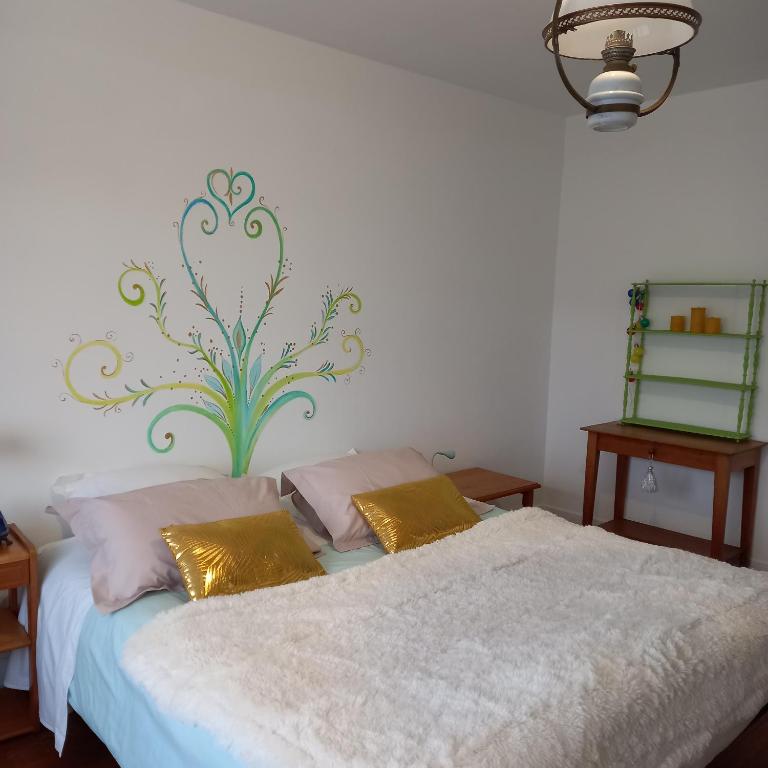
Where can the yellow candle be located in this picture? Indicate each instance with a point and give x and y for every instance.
(712, 325)
(677, 323)
(698, 315)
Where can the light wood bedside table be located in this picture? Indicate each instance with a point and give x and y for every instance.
(18, 568)
(485, 485)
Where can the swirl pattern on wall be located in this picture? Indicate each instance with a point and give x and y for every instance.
(236, 391)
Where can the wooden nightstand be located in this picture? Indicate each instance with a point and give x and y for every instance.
(18, 568)
(485, 485)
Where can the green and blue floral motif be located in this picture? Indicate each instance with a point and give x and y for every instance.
(237, 393)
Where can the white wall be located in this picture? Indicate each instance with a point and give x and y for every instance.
(682, 196)
(435, 202)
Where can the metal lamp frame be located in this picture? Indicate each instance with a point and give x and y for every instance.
(563, 24)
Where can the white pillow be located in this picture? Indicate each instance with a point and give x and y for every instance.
(480, 508)
(94, 484)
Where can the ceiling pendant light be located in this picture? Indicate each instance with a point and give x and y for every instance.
(616, 33)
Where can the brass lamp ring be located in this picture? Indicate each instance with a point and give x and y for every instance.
(651, 10)
(616, 108)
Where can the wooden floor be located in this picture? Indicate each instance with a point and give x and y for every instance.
(84, 750)
(750, 750)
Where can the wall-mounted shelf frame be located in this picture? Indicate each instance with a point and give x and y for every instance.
(744, 382)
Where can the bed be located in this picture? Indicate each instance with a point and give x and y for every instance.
(698, 677)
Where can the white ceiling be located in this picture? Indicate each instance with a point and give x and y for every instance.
(495, 45)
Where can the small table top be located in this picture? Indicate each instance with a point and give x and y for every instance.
(18, 551)
(678, 439)
(486, 485)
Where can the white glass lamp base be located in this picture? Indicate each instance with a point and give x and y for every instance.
(614, 87)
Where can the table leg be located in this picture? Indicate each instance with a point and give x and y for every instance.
(13, 601)
(720, 506)
(620, 494)
(590, 479)
(748, 507)
(33, 596)
(528, 499)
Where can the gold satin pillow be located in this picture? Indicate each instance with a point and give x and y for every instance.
(410, 515)
(240, 554)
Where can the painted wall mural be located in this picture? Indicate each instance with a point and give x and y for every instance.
(236, 391)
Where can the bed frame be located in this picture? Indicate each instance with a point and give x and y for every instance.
(749, 750)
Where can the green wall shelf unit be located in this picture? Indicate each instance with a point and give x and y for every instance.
(646, 330)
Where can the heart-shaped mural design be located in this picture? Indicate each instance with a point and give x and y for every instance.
(237, 392)
(234, 196)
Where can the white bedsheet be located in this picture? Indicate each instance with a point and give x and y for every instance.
(65, 598)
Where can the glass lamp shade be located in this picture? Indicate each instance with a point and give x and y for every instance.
(655, 27)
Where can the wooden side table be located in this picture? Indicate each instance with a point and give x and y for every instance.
(486, 485)
(18, 568)
(719, 456)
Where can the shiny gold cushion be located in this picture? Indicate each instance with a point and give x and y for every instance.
(240, 554)
(409, 515)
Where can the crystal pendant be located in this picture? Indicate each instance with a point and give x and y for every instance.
(649, 481)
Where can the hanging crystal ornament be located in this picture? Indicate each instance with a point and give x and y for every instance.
(648, 483)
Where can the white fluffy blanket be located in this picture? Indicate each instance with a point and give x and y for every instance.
(526, 641)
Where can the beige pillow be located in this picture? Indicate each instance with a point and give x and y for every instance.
(295, 503)
(122, 531)
(328, 488)
(307, 511)
(91, 484)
